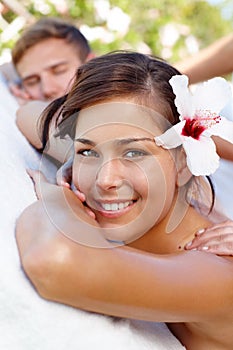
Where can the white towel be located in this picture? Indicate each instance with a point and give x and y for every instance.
(28, 322)
(222, 178)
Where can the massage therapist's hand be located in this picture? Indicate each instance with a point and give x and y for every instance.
(217, 239)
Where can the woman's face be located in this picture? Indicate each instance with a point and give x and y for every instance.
(128, 181)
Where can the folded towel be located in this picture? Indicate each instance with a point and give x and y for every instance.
(222, 178)
(28, 322)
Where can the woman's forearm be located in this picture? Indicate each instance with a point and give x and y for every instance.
(125, 282)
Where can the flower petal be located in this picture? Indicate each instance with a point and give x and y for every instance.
(224, 129)
(172, 137)
(212, 95)
(202, 158)
(183, 100)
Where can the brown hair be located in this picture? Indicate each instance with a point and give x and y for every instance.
(47, 28)
(143, 78)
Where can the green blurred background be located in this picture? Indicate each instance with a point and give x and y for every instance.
(172, 29)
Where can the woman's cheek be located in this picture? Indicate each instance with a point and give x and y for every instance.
(140, 183)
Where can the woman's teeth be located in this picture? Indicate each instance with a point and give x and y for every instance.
(115, 206)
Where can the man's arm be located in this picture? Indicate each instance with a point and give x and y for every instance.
(28, 121)
(215, 60)
(224, 148)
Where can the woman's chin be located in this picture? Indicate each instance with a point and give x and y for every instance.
(123, 234)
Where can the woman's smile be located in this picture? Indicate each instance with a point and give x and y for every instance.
(114, 209)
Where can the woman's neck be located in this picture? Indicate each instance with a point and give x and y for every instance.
(173, 232)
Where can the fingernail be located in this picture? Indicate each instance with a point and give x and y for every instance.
(65, 184)
(194, 249)
(204, 248)
(188, 244)
(80, 195)
(199, 232)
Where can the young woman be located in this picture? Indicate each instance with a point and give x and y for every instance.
(143, 201)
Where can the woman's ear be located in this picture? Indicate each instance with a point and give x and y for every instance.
(183, 172)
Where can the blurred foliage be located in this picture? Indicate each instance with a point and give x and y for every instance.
(188, 20)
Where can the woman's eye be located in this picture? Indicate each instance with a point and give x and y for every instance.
(88, 153)
(135, 154)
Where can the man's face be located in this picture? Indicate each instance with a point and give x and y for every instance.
(47, 68)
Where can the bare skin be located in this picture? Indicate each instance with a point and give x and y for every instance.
(217, 239)
(28, 119)
(44, 71)
(224, 148)
(47, 68)
(214, 60)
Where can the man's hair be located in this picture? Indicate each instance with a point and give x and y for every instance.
(47, 28)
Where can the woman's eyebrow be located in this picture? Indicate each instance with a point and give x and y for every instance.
(134, 139)
(120, 142)
(85, 141)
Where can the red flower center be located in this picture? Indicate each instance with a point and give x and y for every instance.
(203, 120)
(193, 128)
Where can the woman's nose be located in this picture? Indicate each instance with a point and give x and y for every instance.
(110, 175)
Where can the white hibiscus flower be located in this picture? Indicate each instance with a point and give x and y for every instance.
(199, 119)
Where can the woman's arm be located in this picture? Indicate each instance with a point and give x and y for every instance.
(88, 273)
